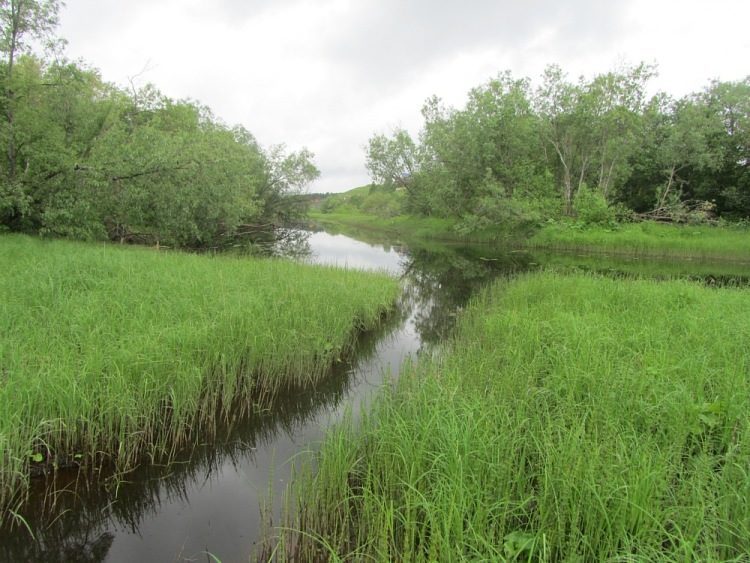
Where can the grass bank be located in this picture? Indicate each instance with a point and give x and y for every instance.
(636, 239)
(712, 272)
(648, 238)
(113, 353)
(408, 227)
(573, 418)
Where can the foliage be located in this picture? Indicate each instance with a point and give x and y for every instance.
(89, 160)
(392, 161)
(591, 207)
(514, 148)
(483, 157)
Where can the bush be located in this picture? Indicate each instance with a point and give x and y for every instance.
(591, 207)
(382, 204)
(328, 205)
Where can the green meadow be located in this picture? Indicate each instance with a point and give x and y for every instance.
(573, 417)
(115, 355)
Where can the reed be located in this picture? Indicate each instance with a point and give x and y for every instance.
(574, 417)
(112, 354)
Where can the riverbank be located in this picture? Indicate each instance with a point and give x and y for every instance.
(405, 226)
(573, 416)
(648, 239)
(116, 354)
(637, 239)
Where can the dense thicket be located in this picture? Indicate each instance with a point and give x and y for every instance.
(86, 159)
(590, 148)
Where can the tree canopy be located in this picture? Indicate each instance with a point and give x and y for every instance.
(588, 148)
(87, 159)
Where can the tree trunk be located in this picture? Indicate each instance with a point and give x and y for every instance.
(608, 179)
(665, 193)
(567, 181)
(567, 191)
(584, 165)
(15, 8)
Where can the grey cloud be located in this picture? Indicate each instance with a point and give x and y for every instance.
(388, 40)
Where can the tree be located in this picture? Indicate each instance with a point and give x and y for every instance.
(617, 102)
(563, 127)
(286, 177)
(729, 104)
(20, 21)
(592, 126)
(680, 148)
(392, 161)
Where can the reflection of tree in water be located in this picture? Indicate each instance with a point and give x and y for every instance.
(440, 280)
(278, 242)
(73, 515)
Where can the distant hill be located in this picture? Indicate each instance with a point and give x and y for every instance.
(371, 199)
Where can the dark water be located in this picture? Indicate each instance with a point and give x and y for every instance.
(208, 504)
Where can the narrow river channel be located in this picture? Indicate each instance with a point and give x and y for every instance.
(209, 503)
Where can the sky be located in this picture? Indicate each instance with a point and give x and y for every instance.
(329, 74)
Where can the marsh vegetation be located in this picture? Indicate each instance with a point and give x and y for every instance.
(119, 355)
(571, 416)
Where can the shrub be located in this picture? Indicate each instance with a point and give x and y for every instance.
(592, 208)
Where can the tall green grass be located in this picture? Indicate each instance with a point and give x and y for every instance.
(111, 353)
(573, 418)
(648, 238)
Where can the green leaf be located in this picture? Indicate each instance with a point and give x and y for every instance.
(518, 542)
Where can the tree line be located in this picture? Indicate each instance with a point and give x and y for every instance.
(87, 159)
(597, 148)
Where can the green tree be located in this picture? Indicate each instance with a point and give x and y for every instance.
(679, 157)
(285, 180)
(485, 158)
(20, 22)
(729, 186)
(592, 127)
(394, 160)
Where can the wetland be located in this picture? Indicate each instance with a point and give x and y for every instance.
(225, 493)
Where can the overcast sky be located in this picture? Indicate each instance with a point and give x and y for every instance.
(328, 74)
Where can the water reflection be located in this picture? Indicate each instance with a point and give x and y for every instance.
(345, 252)
(88, 514)
(279, 242)
(443, 279)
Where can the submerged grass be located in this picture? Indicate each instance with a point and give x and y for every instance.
(111, 353)
(574, 418)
